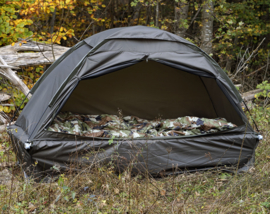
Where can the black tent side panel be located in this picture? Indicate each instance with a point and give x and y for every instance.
(156, 155)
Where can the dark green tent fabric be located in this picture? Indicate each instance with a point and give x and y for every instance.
(145, 72)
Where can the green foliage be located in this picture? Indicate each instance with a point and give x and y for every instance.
(261, 109)
(238, 28)
(265, 87)
(111, 140)
(12, 28)
(66, 22)
(29, 76)
(266, 204)
(134, 3)
(65, 190)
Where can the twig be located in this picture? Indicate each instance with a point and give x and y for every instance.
(241, 150)
(3, 119)
(250, 56)
(6, 104)
(256, 71)
(194, 17)
(266, 66)
(9, 66)
(86, 30)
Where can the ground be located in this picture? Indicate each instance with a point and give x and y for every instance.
(99, 189)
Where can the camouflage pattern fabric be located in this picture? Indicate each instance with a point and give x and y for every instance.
(133, 127)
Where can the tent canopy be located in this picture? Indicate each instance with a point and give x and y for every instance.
(119, 48)
(147, 73)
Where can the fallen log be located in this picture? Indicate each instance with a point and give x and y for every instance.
(11, 75)
(18, 56)
(250, 95)
(31, 54)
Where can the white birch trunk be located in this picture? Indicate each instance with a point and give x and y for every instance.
(207, 26)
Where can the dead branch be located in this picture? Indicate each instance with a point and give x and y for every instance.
(12, 77)
(256, 71)
(250, 95)
(4, 97)
(243, 66)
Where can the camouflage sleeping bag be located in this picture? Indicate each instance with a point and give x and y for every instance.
(133, 127)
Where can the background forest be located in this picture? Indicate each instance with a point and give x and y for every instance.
(236, 33)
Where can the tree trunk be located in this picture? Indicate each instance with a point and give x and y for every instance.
(157, 13)
(52, 21)
(181, 15)
(149, 13)
(207, 26)
(229, 60)
(129, 2)
(136, 13)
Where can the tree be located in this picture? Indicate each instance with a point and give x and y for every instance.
(222, 28)
(181, 15)
(207, 26)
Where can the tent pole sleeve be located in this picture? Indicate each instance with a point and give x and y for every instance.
(59, 60)
(78, 66)
(62, 104)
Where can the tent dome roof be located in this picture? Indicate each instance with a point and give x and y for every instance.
(134, 32)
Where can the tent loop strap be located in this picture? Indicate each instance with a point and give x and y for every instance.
(15, 113)
(251, 116)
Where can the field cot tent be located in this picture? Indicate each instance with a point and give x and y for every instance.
(145, 72)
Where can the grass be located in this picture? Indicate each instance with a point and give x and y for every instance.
(98, 189)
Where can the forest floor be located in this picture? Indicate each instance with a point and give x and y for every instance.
(101, 190)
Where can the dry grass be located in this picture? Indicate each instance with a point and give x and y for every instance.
(99, 189)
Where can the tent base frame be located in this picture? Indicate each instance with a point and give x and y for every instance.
(165, 156)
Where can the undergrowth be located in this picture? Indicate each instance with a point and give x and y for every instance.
(101, 189)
